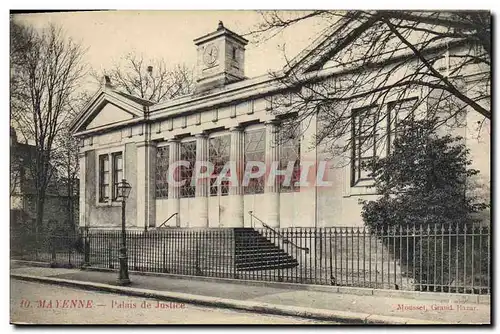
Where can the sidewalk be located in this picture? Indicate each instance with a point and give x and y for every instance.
(373, 308)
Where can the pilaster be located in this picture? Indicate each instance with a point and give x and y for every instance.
(271, 189)
(201, 192)
(236, 190)
(173, 190)
(146, 205)
(82, 202)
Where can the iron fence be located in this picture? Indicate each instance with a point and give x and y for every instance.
(208, 252)
(433, 257)
(60, 250)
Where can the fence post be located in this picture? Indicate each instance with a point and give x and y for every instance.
(280, 263)
(232, 239)
(52, 251)
(86, 248)
(69, 243)
(110, 259)
(37, 238)
(164, 244)
(197, 237)
(136, 266)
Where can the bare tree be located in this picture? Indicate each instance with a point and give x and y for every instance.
(15, 166)
(47, 71)
(66, 159)
(151, 80)
(15, 176)
(376, 57)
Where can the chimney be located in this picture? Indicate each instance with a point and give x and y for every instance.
(220, 26)
(107, 81)
(13, 136)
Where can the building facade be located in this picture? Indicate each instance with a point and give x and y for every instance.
(61, 206)
(229, 118)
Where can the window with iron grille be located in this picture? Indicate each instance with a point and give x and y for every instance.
(104, 178)
(117, 172)
(290, 152)
(188, 153)
(162, 160)
(364, 142)
(255, 150)
(219, 153)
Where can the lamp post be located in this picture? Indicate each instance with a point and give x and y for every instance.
(123, 191)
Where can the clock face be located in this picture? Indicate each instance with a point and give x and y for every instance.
(211, 54)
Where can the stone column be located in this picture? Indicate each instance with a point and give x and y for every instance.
(82, 200)
(236, 218)
(173, 191)
(146, 204)
(271, 189)
(201, 194)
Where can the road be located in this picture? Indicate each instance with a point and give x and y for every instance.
(35, 303)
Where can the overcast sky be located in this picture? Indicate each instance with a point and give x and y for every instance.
(170, 35)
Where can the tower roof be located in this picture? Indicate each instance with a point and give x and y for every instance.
(221, 31)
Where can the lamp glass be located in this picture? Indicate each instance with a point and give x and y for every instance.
(124, 189)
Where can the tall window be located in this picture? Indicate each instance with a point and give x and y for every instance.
(162, 160)
(110, 175)
(364, 142)
(188, 153)
(104, 178)
(398, 111)
(117, 172)
(219, 153)
(255, 150)
(290, 152)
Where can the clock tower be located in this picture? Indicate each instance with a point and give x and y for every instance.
(221, 56)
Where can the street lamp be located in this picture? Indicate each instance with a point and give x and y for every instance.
(123, 191)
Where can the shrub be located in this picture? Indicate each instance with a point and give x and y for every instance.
(423, 186)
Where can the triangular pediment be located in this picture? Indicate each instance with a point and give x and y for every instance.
(109, 114)
(345, 43)
(108, 109)
(321, 51)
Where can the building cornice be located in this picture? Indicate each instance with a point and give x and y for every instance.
(264, 85)
(307, 68)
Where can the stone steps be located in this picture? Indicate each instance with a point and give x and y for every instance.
(254, 252)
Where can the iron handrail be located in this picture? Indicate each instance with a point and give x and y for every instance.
(285, 239)
(173, 214)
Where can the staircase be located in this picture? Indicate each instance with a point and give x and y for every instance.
(255, 252)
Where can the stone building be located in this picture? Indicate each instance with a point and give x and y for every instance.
(60, 209)
(229, 117)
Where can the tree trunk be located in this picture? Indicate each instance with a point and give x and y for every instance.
(68, 193)
(40, 202)
(71, 215)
